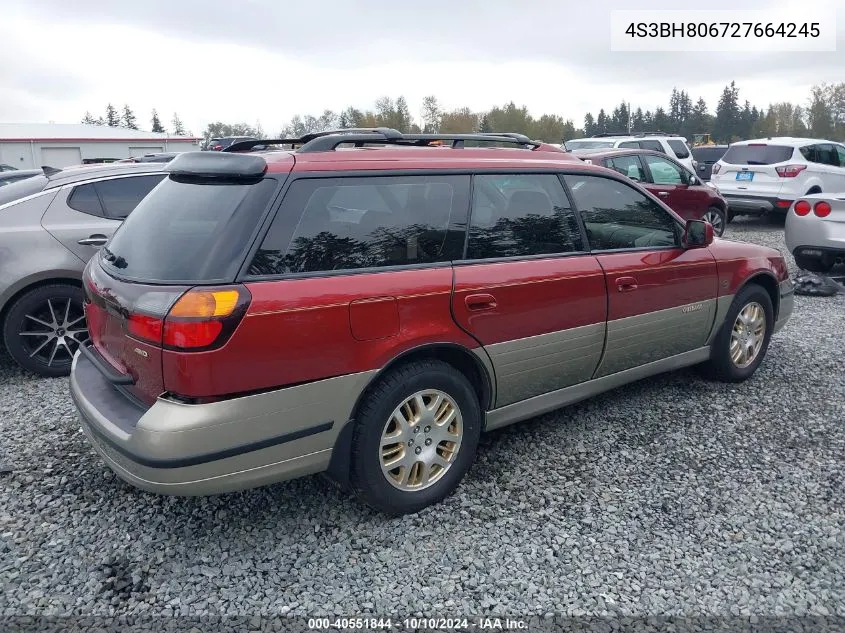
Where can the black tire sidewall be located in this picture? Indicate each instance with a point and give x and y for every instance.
(17, 313)
(725, 367)
(367, 478)
(722, 215)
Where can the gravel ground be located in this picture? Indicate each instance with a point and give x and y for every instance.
(673, 496)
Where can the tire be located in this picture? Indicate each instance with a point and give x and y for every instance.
(718, 219)
(392, 491)
(722, 365)
(44, 309)
(813, 264)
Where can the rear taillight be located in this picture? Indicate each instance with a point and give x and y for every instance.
(716, 168)
(790, 171)
(201, 319)
(802, 208)
(822, 209)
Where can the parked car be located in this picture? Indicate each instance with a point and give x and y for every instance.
(766, 176)
(50, 225)
(368, 313)
(705, 157)
(219, 144)
(163, 157)
(666, 178)
(7, 177)
(5, 167)
(815, 231)
(672, 145)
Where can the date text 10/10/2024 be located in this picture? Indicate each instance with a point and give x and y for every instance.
(416, 624)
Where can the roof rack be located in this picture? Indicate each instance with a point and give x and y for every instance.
(359, 137)
(657, 133)
(609, 134)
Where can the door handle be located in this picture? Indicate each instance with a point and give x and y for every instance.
(480, 302)
(94, 240)
(626, 284)
(663, 194)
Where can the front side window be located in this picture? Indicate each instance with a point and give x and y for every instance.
(664, 172)
(520, 215)
(619, 217)
(335, 224)
(629, 166)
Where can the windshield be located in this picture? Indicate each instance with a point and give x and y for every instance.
(573, 145)
(757, 154)
(188, 232)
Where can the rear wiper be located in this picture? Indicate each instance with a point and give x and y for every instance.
(756, 162)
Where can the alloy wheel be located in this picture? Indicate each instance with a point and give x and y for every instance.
(748, 334)
(51, 333)
(715, 218)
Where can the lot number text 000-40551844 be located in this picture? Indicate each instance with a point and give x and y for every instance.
(791, 30)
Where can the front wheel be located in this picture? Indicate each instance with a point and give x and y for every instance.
(415, 437)
(743, 339)
(718, 219)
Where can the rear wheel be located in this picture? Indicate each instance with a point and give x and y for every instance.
(44, 327)
(718, 219)
(415, 437)
(813, 264)
(743, 339)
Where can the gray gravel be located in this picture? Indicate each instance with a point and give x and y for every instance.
(673, 496)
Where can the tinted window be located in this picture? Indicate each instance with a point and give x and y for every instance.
(617, 216)
(573, 145)
(679, 147)
(630, 145)
(840, 152)
(825, 154)
(188, 232)
(521, 215)
(352, 223)
(629, 166)
(757, 154)
(655, 146)
(664, 172)
(84, 198)
(121, 195)
(708, 154)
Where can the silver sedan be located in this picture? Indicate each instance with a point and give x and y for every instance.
(815, 231)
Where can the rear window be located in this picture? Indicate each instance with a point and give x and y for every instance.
(708, 154)
(757, 154)
(573, 145)
(188, 232)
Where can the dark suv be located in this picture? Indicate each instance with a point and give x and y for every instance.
(368, 313)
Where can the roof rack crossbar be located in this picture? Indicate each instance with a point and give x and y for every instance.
(326, 143)
(243, 146)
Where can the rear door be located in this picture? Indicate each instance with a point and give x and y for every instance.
(84, 216)
(661, 297)
(670, 182)
(528, 291)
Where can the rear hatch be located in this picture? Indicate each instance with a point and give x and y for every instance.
(753, 169)
(165, 281)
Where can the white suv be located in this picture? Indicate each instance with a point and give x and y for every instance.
(670, 144)
(765, 176)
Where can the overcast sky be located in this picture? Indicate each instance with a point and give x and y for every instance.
(266, 60)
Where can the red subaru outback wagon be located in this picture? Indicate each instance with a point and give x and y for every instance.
(367, 304)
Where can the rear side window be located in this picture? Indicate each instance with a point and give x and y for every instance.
(120, 196)
(618, 217)
(679, 147)
(336, 224)
(521, 215)
(84, 198)
(757, 154)
(188, 232)
(630, 145)
(655, 146)
(823, 153)
(664, 172)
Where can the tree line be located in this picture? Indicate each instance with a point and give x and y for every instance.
(821, 116)
(126, 118)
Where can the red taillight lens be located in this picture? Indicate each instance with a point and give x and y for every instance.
(790, 171)
(822, 209)
(205, 317)
(802, 207)
(146, 328)
(716, 168)
(191, 334)
(784, 204)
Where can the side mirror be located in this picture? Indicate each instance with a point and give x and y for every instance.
(698, 234)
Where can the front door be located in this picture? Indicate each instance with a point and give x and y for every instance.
(661, 297)
(670, 182)
(527, 290)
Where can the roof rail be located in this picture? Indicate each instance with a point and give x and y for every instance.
(609, 134)
(657, 133)
(242, 146)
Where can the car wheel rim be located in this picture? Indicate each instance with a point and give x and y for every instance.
(421, 440)
(715, 219)
(748, 334)
(52, 332)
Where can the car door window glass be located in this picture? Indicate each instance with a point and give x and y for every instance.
(521, 215)
(617, 216)
(826, 155)
(679, 147)
(840, 152)
(663, 172)
(352, 223)
(84, 198)
(120, 196)
(629, 166)
(653, 145)
(630, 144)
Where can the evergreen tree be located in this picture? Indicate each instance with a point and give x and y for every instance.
(589, 125)
(156, 123)
(728, 114)
(178, 126)
(129, 118)
(112, 118)
(89, 119)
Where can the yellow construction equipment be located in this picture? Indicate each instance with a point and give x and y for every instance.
(700, 140)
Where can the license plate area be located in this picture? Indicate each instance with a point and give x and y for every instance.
(745, 175)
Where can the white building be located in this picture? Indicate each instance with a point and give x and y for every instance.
(33, 145)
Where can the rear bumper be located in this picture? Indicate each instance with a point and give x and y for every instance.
(815, 234)
(201, 449)
(756, 205)
(786, 304)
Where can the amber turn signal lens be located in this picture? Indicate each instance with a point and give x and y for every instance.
(205, 304)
